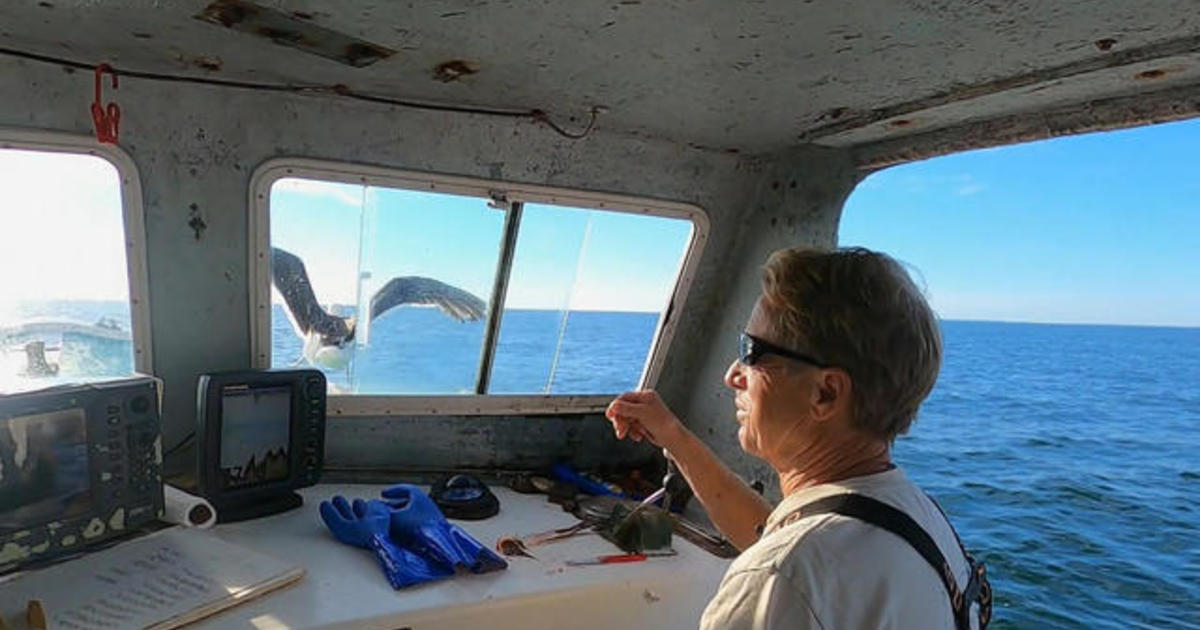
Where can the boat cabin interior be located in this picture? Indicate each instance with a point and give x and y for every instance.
(509, 212)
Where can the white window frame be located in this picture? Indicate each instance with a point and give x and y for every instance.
(268, 173)
(132, 212)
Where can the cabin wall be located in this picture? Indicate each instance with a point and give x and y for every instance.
(798, 202)
(196, 146)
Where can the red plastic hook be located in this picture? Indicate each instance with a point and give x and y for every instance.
(107, 120)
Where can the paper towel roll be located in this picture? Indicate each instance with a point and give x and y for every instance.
(186, 509)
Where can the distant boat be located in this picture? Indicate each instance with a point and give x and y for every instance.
(104, 328)
(68, 348)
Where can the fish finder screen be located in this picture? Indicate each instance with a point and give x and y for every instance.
(255, 435)
(43, 469)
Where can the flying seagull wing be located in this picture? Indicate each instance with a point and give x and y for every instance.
(291, 280)
(453, 301)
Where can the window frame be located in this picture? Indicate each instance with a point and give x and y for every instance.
(132, 213)
(265, 176)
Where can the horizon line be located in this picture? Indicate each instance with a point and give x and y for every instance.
(1186, 326)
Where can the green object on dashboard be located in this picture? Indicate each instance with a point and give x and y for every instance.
(649, 529)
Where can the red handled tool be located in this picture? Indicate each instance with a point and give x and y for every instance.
(612, 559)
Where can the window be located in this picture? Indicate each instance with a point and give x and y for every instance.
(1062, 433)
(431, 286)
(72, 264)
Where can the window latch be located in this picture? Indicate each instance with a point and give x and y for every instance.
(499, 200)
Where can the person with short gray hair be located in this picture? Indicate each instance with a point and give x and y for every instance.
(839, 352)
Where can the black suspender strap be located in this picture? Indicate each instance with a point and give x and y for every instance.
(882, 515)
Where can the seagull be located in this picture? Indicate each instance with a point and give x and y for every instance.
(328, 338)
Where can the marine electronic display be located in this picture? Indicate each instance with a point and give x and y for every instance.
(43, 468)
(79, 464)
(254, 435)
(262, 435)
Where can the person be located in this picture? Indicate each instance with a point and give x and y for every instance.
(839, 352)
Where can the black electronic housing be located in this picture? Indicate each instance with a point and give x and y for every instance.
(238, 500)
(112, 432)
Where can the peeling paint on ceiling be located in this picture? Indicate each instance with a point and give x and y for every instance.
(744, 76)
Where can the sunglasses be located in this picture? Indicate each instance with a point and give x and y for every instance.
(751, 349)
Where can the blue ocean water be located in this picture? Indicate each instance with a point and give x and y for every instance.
(1068, 457)
(421, 351)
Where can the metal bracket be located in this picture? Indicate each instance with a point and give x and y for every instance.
(499, 200)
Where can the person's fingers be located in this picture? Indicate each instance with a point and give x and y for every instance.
(641, 396)
(629, 409)
(630, 428)
(637, 412)
(615, 409)
(643, 434)
(360, 508)
(625, 427)
(627, 398)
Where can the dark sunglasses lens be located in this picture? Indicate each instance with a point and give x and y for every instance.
(746, 354)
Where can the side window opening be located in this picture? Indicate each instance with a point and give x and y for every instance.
(419, 289)
(585, 296)
(65, 268)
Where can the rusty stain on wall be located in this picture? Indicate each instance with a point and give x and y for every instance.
(454, 69)
(212, 64)
(295, 31)
(196, 221)
(1158, 50)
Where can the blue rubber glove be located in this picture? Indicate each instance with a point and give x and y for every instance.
(365, 524)
(418, 524)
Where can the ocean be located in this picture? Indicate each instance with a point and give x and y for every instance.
(421, 351)
(1068, 457)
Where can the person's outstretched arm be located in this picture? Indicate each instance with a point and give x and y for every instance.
(735, 508)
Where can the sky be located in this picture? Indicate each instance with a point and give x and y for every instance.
(1096, 228)
(61, 228)
(566, 258)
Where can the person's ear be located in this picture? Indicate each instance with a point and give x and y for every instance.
(831, 393)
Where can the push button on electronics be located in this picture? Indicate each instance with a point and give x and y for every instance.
(140, 405)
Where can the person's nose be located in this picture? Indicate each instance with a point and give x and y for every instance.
(735, 376)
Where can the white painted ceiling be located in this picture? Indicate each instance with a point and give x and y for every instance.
(722, 74)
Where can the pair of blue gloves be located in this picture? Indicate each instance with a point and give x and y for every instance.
(409, 535)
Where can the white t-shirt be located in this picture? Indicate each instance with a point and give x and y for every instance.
(833, 572)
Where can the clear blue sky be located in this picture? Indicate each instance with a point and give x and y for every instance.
(1096, 228)
(565, 257)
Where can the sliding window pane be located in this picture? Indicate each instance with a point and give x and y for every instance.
(403, 285)
(585, 296)
(64, 303)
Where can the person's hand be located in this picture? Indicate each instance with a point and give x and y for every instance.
(644, 416)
